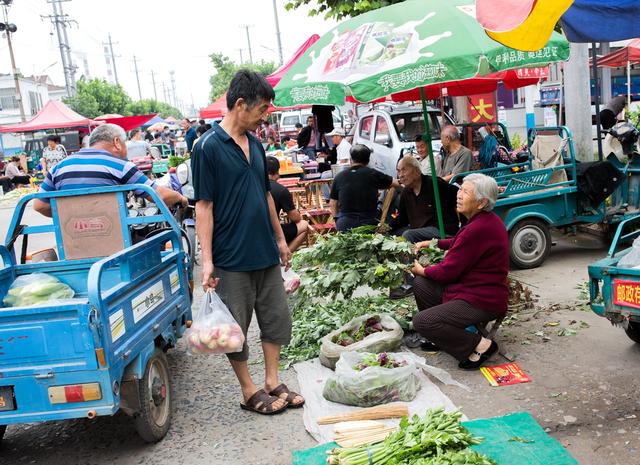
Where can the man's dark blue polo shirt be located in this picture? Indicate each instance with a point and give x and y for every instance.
(243, 238)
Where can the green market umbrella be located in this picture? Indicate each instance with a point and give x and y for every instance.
(402, 47)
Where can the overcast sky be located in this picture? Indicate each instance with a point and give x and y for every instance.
(163, 35)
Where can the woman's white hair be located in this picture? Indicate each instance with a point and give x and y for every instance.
(485, 188)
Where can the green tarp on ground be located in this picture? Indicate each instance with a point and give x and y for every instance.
(515, 439)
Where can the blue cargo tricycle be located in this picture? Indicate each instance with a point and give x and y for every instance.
(104, 349)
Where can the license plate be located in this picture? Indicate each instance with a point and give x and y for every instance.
(626, 293)
(7, 401)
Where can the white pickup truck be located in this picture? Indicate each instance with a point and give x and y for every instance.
(391, 130)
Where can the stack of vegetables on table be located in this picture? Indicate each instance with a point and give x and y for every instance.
(36, 289)
(437, 438)
(365, 380)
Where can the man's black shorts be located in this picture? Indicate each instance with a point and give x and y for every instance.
(290, 231)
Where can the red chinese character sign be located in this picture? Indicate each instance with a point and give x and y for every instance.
(525, 73)
(482, 108)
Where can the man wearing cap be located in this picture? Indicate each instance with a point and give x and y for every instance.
(341, 156)
(341, 145)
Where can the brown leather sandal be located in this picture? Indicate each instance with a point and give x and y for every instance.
(283, 389)
(261, 403)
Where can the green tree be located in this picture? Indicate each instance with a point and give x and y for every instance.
(97, 97)
(340, 9)
(148, 106)
(226, 69)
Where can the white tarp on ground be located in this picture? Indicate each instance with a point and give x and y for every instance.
(312, 377)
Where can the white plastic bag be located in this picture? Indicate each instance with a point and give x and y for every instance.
(383, 341)
(291, 280)
(214, 330)
(374, 385)
(631, 259)
(36, 289)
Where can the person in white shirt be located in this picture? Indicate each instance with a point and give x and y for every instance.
(136, 146)
(343, 155)
(342, 146)
(52, 154)
(423, 157)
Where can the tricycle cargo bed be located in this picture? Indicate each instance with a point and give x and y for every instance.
(103, 349)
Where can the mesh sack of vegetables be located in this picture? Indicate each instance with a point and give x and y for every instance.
(367, 333)
(365, 379)
(36, 289)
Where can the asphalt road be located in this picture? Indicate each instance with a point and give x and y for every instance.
(584, 391)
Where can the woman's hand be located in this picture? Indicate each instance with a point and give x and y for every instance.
(418, 269)
(423, 245)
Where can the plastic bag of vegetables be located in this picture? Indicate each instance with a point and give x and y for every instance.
(365, 379)
(361, 335)
(214, 330)
(36, 289)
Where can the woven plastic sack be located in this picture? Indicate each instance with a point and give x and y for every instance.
(632, 258)
(36, 289)
(384, 341)
(214, 330)
(373, 385)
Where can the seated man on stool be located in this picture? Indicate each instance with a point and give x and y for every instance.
(295, 232)
(417, 219)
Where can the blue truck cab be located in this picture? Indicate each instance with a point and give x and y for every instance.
(103, 350)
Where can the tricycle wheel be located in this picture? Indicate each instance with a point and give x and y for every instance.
(633, 331)
(154, 418)
(529, 243)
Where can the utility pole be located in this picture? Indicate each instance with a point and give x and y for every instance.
(275, 14)
(9, 29)
(113, 60)
(164, 92)
(241, 60)
(135, 64)
(246, 27)
(153, 80)
(173, 88)
(61, 21)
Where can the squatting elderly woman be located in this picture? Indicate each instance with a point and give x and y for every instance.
(470, 285)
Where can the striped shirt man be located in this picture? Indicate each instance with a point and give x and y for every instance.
(92, 167)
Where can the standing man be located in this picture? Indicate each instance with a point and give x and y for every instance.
(267, 131)
(458, 158)
(423, 157)
(307, 139)
(189, 133)
(354, 193)
(242, 242)
(295, 231)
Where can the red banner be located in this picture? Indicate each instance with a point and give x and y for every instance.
(482, 108)
(524, 73)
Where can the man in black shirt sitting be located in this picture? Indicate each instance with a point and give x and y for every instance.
(417, 219)
(295, 231)
(354, 193)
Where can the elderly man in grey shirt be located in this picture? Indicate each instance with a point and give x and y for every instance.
(458, 158)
